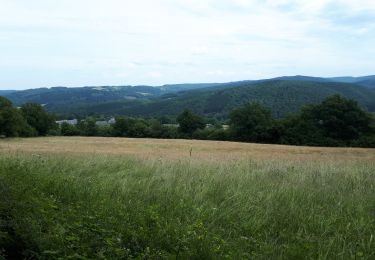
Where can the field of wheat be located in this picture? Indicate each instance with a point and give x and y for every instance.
(120, 198)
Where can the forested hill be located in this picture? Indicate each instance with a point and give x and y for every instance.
(366, 81)
(282, 97)
(6, 92)
(56, 96)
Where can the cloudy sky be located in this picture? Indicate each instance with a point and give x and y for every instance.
(47, 43)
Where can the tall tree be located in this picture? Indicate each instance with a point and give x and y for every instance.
(252, 123)
(38, 118)
(340, 118)
(12, 123)
(337, 121)
(87, 127)
(189, 122)
(121, 127)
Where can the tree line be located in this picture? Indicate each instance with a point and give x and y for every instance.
(27, 121)
(336, 121)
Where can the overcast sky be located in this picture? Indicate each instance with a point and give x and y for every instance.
(47, 43)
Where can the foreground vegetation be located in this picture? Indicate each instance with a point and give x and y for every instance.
(93, 206)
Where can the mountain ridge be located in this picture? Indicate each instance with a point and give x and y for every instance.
(188, 86)
(283, 95)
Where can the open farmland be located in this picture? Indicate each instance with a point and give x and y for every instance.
(217, 151)
(114, 198)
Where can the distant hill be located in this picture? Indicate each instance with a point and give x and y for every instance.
(56, 96)
(366, 81)
(282, 97)
(92, 95)
(302, 78)
(6, 92)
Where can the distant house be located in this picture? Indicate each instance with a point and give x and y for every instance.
(101, 123)
(111, 121)
(225, 127)
(69, 122)
(171, 125)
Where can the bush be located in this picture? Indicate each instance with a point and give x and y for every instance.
(69, 130)
(104, 131)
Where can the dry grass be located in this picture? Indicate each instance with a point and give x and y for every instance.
(177, 149)
(83, 198)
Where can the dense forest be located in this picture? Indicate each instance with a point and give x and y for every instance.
(336, 121)
(283, 95)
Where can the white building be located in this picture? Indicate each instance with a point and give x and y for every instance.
(69, 122)
(111, 121)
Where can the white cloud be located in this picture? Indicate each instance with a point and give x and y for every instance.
(166, 41)
(154, 74)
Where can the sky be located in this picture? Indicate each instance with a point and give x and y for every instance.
(73, 43)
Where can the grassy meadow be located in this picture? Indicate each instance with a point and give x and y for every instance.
(120, 198)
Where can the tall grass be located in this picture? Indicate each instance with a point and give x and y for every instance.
(116, 207)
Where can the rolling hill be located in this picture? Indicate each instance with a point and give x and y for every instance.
(366, 81)
(6, 92)
(55, 96)
(282, 95)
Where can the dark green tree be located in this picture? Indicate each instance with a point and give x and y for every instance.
(138, 128)
(69, 130)
(12, 123)
(252, 123)
(104, 130)
(340, 118)
(337, 121)
(131, 127)
(297, 130)
(87, 127)
(155, 128)
(4, 103)
(38, 118)
(121, 127)
(189, 122)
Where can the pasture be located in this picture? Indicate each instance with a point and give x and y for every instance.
(120, 198)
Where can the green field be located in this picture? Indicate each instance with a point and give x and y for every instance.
(99, 205)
